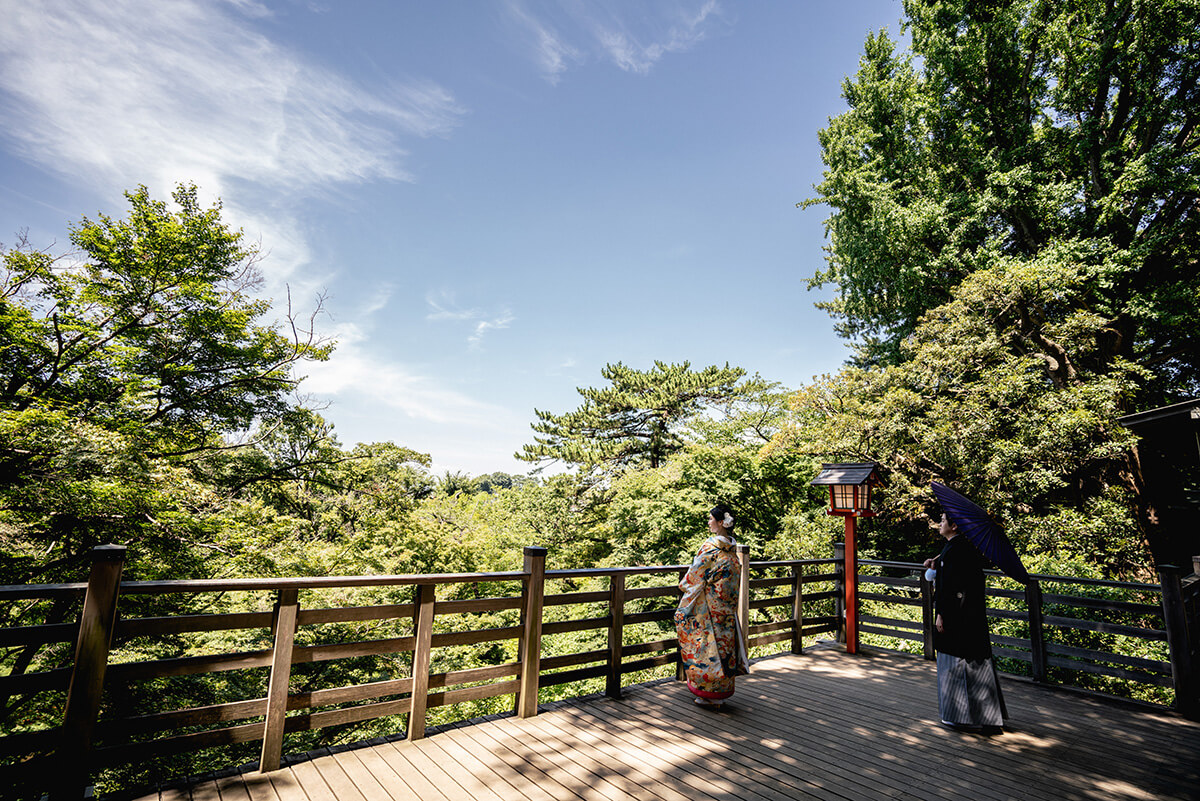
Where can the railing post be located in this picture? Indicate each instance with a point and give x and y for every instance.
(927, 618)
(839, 588)
(422, 646)
(1183, 672)
(1037, 632)
(96, 622)
(798, 610)
(743, 552)
(616, 635)
(283, 625)
(530, 647)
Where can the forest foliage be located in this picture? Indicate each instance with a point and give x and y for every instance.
(1013, 239)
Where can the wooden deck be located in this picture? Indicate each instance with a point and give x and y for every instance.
(825, 725)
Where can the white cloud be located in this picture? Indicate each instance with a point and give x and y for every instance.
(121, 89)
(550, 50)
(250, 8)
(383, 294)
(356, 373)
(119, 93)
(444, 307)
(635, 51)
(633, 42)
(483, 326)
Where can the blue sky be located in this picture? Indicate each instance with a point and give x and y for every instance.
(495, 198)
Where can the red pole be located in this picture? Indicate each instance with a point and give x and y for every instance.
(851, 574)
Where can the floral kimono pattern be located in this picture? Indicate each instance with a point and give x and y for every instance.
(706, 620)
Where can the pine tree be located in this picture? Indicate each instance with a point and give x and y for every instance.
(635, 421)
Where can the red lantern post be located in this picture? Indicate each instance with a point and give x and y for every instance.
(850, 498)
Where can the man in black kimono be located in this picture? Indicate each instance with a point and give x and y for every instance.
(968, 690)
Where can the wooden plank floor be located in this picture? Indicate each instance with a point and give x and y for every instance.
(825, 725)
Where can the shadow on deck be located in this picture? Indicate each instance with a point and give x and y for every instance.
(825, 725)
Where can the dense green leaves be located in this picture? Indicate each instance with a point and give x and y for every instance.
(122, 362)
(1016, 130)
(1013, 239)
(154, 331)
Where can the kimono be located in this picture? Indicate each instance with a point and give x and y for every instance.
(968, 687)
(706, 621)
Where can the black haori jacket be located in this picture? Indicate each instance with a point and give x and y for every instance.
(958, 596)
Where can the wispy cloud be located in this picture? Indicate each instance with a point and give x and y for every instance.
(561, 34)
(444, 307)
(356, 371)
(251, 8)
(549, 49)
(483, 326)
(636, 51)
(117, 93)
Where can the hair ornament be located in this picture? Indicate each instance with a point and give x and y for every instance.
(728, 521)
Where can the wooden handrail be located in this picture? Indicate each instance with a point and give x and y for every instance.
(306, 582)
(804, 611)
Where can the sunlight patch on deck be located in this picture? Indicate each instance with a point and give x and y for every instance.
(1116, 789)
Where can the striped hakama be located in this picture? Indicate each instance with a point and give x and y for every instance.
(968, 692)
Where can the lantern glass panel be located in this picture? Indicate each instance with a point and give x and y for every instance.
(843, 496)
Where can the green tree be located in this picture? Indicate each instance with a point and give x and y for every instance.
(499, 480)
(155, 332)
(636, 420)
(965, 408)
(728, 459)
(117, 367)
(1013, 239)
(297, 467)
(1022, 131)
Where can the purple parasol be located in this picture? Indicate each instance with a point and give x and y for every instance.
(982, 531)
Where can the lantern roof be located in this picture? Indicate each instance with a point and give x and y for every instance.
(848, 474)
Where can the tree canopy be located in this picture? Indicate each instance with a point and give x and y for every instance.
(143, 345)
(1013, 240)
(1053, 140)
(635, 421)
(155, 329)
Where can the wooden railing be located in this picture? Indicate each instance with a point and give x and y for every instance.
(1033, 629)
(592, 626)
(96, 733)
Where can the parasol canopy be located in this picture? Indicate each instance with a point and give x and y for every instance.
(982, 531)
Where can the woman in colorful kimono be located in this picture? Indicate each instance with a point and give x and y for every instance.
(706, 620)
(968, 690)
